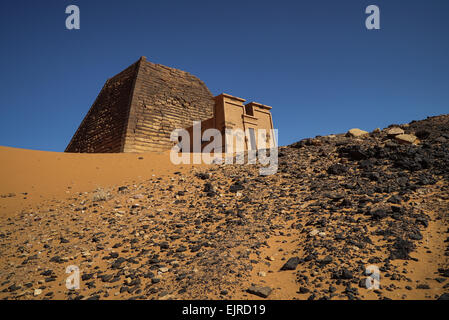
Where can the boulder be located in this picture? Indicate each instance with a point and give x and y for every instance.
(406, 139)
(356, 133)
(263, 292)
(394, 131)
(291, 264)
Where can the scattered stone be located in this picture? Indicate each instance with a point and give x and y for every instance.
(444, 296)
(401, 249)
(291, 264)
(406, 139)
(303, 290)
(337, 169)
(444, 272)
(356, 133)
(263, 292)
(394, 132)
(56, 259)
(343, 274)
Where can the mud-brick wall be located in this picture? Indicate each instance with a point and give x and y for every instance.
(103, 128)
(164, 99)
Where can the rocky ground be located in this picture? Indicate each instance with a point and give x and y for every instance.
(337, 205)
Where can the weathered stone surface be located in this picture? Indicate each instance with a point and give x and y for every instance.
(406, 139)
(263, 292)
(356, 133)
(395, 131)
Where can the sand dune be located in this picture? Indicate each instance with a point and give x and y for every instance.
(32, 175)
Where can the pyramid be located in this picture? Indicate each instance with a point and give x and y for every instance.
(137, 109)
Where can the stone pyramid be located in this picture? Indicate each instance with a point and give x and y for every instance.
(137, 109)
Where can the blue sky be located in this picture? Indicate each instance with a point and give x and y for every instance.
(313, 61)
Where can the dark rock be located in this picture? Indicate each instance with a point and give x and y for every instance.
(195, 248)
(378, 214)
(444, 296)
(291, 264)
(354, 152)
(237, 186)
(56, 259)
(422, 134)
(14, 287)
(337, 169)
(326, 260)
(117, 264)
(106, 277)
(263, 292)
(343, 274)
(303, 290)
(122, 189)
(47, 273)
(444, 272)
(164, 245)
(87, 276)
(395, 199)
(401, 249)
(209, 189)
(203, 176)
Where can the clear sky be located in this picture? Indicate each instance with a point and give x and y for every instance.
(313, 61)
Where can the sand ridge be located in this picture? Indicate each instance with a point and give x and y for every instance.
(30, 176)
